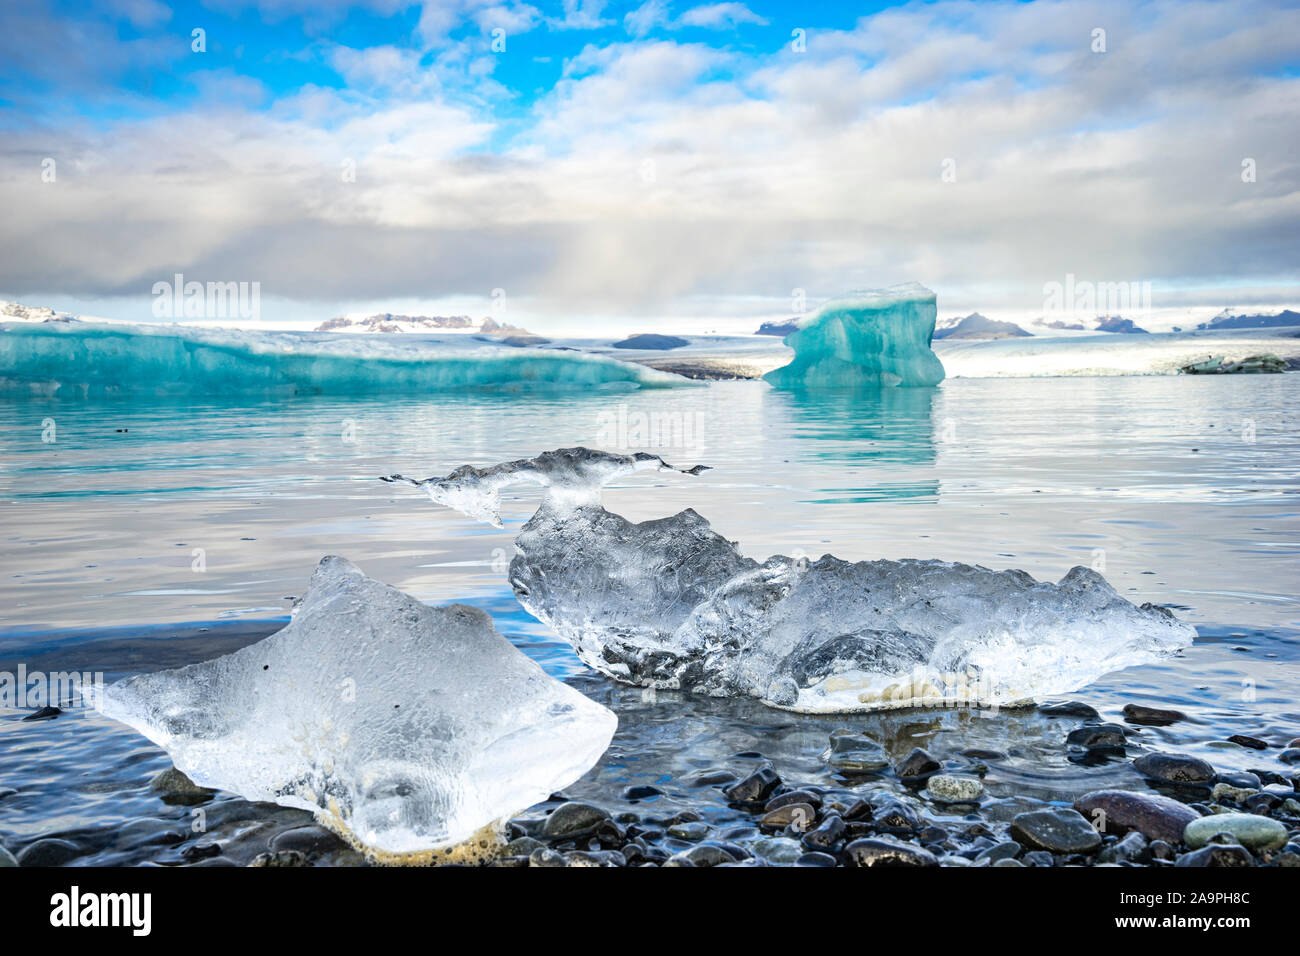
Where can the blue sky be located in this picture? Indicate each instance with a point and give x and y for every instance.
(645, 161)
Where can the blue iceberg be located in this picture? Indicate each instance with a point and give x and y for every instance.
(85, 359)
(872, 338)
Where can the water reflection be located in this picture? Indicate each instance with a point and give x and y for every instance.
(857, 427)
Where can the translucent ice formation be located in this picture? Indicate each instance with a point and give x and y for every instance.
(879, 337)
(99, 359)
(670, 603)
(407, 728)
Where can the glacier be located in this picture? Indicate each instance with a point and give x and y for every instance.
(871, 338)
(413, 731)
(103, 359)
(669, 603)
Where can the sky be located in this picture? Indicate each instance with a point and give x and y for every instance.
(651, 164)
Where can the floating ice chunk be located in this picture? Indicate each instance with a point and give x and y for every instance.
(572, 476)
(879, 337)
(109, 359)
(670, 603)
(407, 728)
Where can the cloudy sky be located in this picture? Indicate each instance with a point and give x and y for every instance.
(646, 162)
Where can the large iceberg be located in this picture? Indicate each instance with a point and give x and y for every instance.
(670, 603)
(85, 359)
(407, 728)
(873, 338)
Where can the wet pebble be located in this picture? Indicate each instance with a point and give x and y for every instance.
(522, 846)
(855, 753)
(780, 850)
(176, 788)
(1245, 740)
(810, 797)
(1154, 816)
(1057, 830)
(1218, 855)
(916, 765)
(816, 859)
(1125, 850)
(951, 789)
(755, 788)
(641, 792)
(828, 833)
(50, 851)
(545, 856)
(280, 858)
(1175, 768)
(310, 840)
(689, 831)
(1000, 851)
(707, 854)
(1070, 708)
(572, 821)
(1151, 716)
(45, 713)
(874, 851)
(1251, 831)
(799, 815)
(7, 859)
(1095, 736)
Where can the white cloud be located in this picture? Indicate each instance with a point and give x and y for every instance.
(720, 16)
(655, 14)
(659, 172)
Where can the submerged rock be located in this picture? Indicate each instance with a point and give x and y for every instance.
(670, 603)
(409, 729)
(50, 851)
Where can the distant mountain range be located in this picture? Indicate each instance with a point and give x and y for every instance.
(1113, 323)
(1226, 320)
(388, 322)
(976, 326)
(777, 328)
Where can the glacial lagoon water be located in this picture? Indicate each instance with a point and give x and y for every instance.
(149, 534)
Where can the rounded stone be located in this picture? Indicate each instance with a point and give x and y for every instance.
(1175, 768)
(1055, 829)
(1151, 716)
(1217, 855)
(1154, 816)
(1093, 736)
(876, 852)
(917, 764)
(48, 852)
(800, 815)
(309, 840)
(1251, 831)
(573, 820)
(952, 789)
(755, 788)
(779, 849)
(855, 753)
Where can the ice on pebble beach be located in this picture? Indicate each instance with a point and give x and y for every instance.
(408, 728)
(670, 603)
(873, 338)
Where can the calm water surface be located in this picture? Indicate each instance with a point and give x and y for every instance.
(151, 534)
